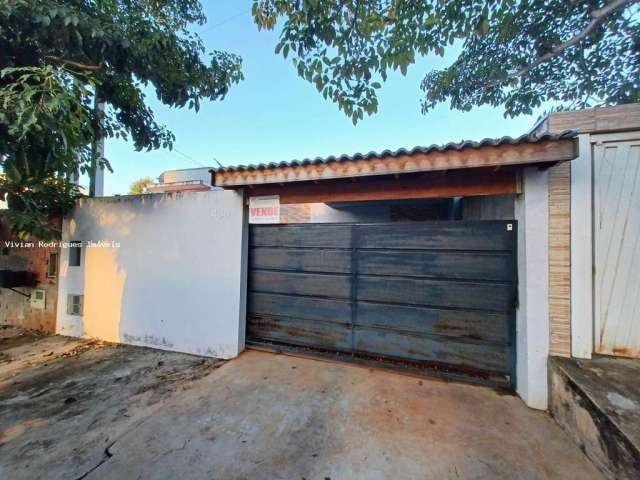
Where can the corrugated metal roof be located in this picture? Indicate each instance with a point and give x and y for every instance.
(486, 142)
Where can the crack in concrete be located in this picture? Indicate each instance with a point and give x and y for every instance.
(189, 378)
(107, 455)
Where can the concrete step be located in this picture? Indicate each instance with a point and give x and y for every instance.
(597, 402)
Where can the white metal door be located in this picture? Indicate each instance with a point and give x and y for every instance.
(616, 224)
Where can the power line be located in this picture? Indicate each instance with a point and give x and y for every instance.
(189, 157)
(225, 21)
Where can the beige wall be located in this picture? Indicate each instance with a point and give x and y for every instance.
(560, 260)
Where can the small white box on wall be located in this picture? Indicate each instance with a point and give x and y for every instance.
(38, 299)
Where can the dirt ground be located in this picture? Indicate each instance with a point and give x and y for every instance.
(74, 409)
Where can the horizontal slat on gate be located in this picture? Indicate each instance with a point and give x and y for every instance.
(451, 323)
(485, 235)
(470, 266)
(310, 308)
(337, 261)
(432, 349)
(436, 293)
(297, 331)
(325, 236)
(333, 286)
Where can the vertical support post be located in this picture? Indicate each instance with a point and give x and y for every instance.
(532, 316)
(244, 273)
(582, 250)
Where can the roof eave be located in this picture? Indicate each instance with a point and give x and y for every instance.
(532, 152)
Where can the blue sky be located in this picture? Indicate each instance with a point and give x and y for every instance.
(273, 115)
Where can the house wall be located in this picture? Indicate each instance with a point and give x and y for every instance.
(186, 175)
(170, 272)
(375, 211)
(16, 309)
(323, 213)
(570, 224)
(596, 120)
(490, 207)
(365, 212)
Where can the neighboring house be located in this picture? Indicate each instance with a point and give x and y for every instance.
(185, 180)
(26, 304)
(594, 231)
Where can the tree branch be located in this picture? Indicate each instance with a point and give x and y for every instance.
(597, 18)
(71, 63)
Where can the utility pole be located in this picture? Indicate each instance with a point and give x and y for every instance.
(96, 172)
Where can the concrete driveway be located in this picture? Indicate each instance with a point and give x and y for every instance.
(73, 409)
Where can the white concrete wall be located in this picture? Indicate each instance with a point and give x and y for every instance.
(171, 274)
(532, 317)
(186, 175)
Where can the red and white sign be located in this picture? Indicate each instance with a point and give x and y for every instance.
(264, 209)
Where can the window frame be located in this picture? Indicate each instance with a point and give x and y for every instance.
(52, 260)
(75, 251)
(72, 304)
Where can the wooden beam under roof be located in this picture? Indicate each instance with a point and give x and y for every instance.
(454, 159)
(460, 183)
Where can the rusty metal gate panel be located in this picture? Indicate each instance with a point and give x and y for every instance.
(438, 297)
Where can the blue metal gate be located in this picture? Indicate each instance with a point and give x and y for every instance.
(436, 297)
